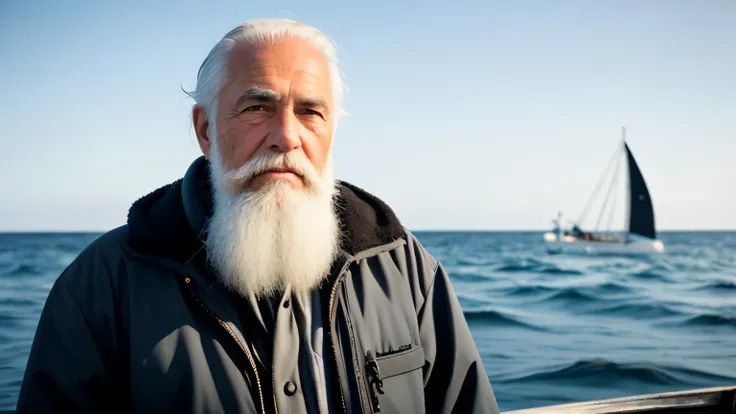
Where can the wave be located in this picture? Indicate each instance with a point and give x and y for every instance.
(468, 277)
(653, 275)
(22, 269)
(717, 286)
(474, 261)
(601, 372)
(612, 287)
(15, 302)
(605, 288)
(528, 290)
(568, 295)
(534, 266)
(710, 320)
(572, 295)
(496, 318)
(7, 319)
(639, 310)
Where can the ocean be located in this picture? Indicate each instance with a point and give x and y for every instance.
(550, 329)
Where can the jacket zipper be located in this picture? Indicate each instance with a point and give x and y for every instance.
(187, 282)
(375, 382)
(333, 293)
(365, 394)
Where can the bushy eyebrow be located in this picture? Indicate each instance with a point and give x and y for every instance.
(263, 95)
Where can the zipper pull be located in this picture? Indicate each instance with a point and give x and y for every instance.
(375, 382)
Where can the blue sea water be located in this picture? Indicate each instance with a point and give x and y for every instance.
(550, 329)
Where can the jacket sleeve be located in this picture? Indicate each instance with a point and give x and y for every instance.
(69, 367)
(455, 379)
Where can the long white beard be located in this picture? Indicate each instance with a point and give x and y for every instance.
(278, 237)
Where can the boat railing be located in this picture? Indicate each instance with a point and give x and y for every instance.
(719, 400)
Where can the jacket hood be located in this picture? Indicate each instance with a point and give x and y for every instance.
(170, 221)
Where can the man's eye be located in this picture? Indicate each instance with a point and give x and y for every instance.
(254, 108)
(311, 112)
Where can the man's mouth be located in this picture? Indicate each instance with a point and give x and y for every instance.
(282, 171)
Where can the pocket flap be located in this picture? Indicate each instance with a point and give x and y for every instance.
(401, 363)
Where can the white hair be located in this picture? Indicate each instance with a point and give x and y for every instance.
(213, 70)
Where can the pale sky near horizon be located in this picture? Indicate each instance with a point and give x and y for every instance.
(464, 114)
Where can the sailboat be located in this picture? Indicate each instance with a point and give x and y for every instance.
(640, 235)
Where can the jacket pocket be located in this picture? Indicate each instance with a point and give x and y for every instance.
(395, 381)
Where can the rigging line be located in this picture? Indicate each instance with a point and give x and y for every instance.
(597, 187)
(605, 201)
(613, 202)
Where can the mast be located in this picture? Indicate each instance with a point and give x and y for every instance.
(627, 220)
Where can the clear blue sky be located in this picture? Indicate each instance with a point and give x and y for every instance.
(464, 115)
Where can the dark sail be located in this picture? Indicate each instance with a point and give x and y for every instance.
(641, 213)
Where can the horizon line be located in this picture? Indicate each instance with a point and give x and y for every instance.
(673, 230)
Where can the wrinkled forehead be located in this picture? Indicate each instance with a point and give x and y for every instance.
(286, 66)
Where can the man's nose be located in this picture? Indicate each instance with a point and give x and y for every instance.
(285, 134)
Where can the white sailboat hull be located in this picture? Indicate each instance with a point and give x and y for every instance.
(640, 228)
(569, 244)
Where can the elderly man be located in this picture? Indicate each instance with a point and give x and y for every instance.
(257, 283)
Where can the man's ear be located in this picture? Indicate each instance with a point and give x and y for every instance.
(202, 129)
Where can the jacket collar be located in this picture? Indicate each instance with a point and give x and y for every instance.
(170, 221)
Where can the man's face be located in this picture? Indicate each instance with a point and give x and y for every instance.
(273, 226)
(276, 99)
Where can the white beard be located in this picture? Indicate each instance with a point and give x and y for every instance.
(277, 238)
